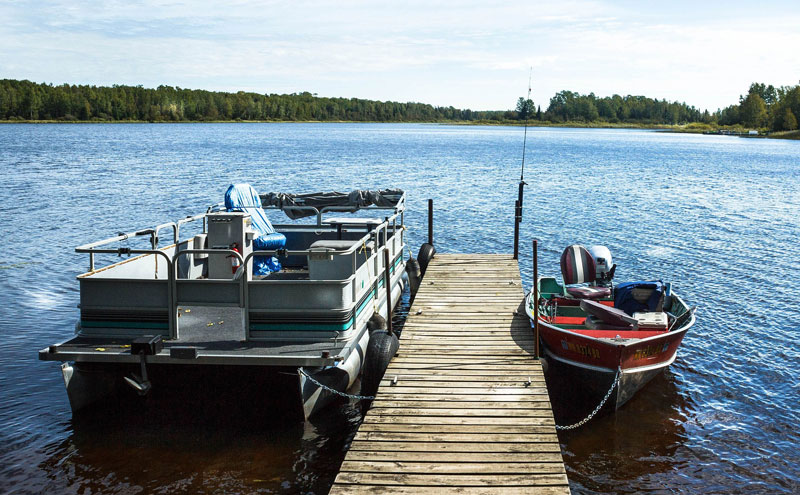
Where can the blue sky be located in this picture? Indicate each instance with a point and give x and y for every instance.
(468, 54)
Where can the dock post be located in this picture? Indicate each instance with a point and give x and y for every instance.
(535, 298)
(387, 277)
(430, 222)
(516, 229)
(518, 217)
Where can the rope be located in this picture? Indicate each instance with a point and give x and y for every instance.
(325, 387)
(596, 409)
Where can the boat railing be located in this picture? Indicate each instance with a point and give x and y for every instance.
(356, 285)
(372, 261)
(153, 233)
(178, 289)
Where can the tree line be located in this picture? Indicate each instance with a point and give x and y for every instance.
(569, 106)
(764, 107)
(777, 109)
(31, 101)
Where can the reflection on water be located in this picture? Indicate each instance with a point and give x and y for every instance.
(167, 447)
(716, 216)
(643, 436)
(217, 435)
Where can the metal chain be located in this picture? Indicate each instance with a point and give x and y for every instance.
(596, 409)
(325, 387)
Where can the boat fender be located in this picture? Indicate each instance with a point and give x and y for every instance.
(414, 276)
(426, 254)
(381, 349)
(376, 322)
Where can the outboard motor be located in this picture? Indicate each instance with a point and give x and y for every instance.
(603, 265)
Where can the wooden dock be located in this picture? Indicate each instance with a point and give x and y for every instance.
(469, 411)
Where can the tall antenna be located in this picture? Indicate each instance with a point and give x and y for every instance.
(518, 205)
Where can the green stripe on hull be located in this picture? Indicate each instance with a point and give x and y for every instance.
(254, 326)
(324, 327)
(308, 327)
(321, 327)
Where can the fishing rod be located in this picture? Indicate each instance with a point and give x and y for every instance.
(522, 183)
(525, 135)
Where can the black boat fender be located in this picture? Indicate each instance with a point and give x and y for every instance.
(381, 348)
(376, 322)
(426, 254)
(414, 276)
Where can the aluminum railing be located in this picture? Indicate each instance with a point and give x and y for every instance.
(172, 262)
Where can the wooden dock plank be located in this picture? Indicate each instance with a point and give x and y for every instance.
(403, 428)
(363, 488)
(451, 467)
(463, 407)
(435, 479)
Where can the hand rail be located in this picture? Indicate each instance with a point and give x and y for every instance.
(91, 248)
(170, 276)
(207, 251)
(172, 263)
(191, 218)
(242, 279)
(158, 228)
(85, 248)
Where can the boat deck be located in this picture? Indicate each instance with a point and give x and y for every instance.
(463, 408)
(217, 332)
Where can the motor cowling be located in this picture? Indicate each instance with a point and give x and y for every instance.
(604, 266)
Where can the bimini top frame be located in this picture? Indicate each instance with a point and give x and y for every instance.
(316, 204)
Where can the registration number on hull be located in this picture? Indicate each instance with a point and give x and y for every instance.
(650, 350)
(582, 349)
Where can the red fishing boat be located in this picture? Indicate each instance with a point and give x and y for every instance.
(600, 330)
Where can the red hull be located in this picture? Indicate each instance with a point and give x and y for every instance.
(591, 348)
(641, 356)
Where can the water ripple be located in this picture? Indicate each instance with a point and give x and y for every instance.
(716, 216)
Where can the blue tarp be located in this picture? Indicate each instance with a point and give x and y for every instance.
(242, 197)
(623, 296)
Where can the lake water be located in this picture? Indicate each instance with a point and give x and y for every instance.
(718, 216)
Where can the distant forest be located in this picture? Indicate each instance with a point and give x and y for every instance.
(764, 107)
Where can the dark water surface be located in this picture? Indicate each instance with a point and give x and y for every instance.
(718, 216)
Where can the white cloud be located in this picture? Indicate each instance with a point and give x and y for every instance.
(465, 54)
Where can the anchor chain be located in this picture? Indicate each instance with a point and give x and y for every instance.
(596, 409)
(334, 391)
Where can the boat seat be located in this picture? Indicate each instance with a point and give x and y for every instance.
(594, 323)
(242, 197)
(578, 267)
(326, 260)
(613, 317)
(633, 297)
(588, 292)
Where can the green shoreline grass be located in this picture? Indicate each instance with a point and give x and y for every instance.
(685, 129)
